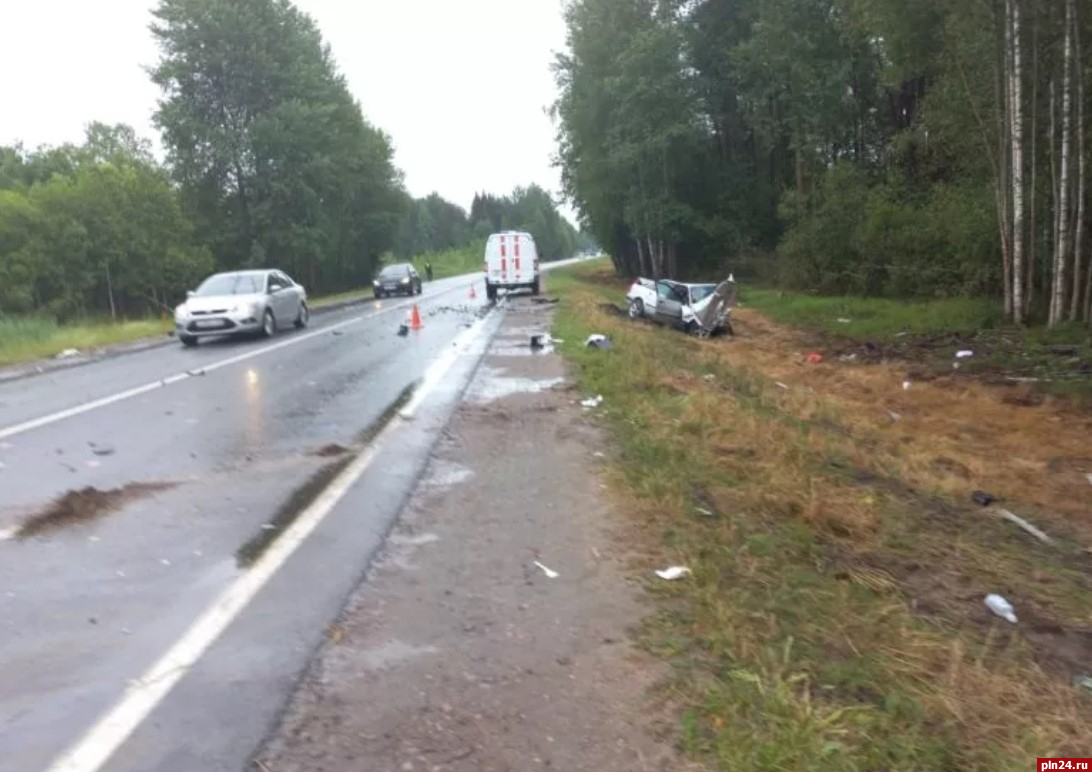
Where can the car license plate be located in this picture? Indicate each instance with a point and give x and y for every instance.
(206, 324)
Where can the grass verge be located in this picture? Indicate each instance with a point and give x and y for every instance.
(26, 339)
(452, 262)
(834, 619)
(929, 333)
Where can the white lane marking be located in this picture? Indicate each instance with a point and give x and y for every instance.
(438, 369)
(92, 751)
(60, 415)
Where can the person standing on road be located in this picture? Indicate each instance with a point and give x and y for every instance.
(428, 270)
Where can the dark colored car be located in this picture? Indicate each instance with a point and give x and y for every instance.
(397, 279)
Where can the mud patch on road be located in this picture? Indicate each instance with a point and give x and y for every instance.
(84, 505)
(330, 451)
(304, 496)
(299, 501)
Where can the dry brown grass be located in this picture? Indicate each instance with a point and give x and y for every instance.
(839, 565)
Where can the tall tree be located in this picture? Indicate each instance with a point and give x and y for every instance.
(278, 164)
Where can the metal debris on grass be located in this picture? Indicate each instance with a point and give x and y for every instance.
(998, 605)
(597, 340)
(595, 401)
(1024, 525)
(673, 573)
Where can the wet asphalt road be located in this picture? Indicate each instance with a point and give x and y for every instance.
(87, 608)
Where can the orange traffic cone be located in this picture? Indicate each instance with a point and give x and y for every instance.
(473, 294)
(415, 319)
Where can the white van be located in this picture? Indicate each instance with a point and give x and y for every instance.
(511, 262)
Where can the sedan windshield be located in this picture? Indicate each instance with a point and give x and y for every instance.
(231, 284)
(701, 291)
(393, 272)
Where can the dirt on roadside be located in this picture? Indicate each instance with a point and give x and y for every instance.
(493, 634)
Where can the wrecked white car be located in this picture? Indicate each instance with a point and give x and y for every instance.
(699, 309)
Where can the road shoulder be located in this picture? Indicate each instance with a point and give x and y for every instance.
(458, 653)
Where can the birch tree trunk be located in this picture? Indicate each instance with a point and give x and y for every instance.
(1078, 239)
(1061, 254)
(1017, 171)
(1004, 101)
(1033, 229)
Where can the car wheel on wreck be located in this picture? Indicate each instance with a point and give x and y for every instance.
(636, 308)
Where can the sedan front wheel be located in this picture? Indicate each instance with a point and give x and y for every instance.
(636, 308)
(269, 324)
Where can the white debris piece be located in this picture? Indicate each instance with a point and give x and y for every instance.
(595, 401)
(906, 385)
(68, 353)
(673, 573)
(1024, 524)
(1001, 607)
(1089, 478)
(781, 385)
(844, 321)
(964, 354)
(550, 573)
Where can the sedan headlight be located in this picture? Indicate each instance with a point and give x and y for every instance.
(405, 280)
(181, 311)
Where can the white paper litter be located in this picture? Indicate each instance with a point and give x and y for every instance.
(593, 401)
(844, 321)
(1001, 607)
(550, 573)
(673, 573)
(906, 385)
(964, 354)
(68, 352)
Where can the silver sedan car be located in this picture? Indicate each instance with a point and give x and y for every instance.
(241, 302)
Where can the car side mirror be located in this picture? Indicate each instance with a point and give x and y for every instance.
(190, 294)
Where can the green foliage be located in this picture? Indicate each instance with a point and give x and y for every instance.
(853, 142)
(276, 161)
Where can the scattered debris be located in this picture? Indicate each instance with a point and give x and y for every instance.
(844, 321)
(813, 358)
(704, 512)
(906, 385)
(847, 358)
(709, 377)
(101, 450)
(599, 341)
(336, 333)
(894, 416)
(982, 498)
(612, 310)
(1083, 682)
(83, 506)
(1001, 607)
(673, 573)
(403, 330)
(195, 373)
(1088, 477)
(964, 354)
(1025, 525)
(68, 353)
(595, 401)
(550, 573)
(781, 385)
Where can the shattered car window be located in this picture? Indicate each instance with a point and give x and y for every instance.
(701, 291)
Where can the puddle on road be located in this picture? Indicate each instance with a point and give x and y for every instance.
(446, 474)
(394, 653)
(491, 385)
(85, 505)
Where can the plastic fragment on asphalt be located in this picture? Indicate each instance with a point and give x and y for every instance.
(101, 450)
(1001, 607)
(1024, 525)
(673, 573)
(550, 573)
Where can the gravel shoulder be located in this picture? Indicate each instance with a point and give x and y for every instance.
(458, 653)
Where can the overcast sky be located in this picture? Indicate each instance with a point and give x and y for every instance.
(461, 86)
